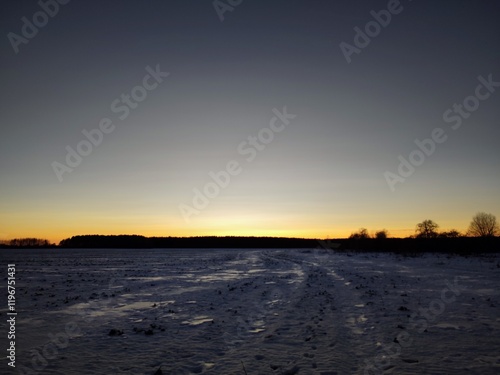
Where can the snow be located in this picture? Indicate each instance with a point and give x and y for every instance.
(227, 311)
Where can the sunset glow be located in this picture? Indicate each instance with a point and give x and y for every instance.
(111, 125)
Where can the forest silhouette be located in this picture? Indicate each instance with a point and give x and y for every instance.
(405, 246)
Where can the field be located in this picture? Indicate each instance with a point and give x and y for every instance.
(251, 312)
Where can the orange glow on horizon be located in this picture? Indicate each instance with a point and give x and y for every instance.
(56, 227)
(56, 237)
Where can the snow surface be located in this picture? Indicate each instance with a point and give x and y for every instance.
(235, 311)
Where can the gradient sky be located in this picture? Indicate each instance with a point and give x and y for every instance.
(321, 176)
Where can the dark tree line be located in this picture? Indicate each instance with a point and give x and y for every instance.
(480, 237)
(404, 246)
(29, 242)
(141, 242)
(482, 225)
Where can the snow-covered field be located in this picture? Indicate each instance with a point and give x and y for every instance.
(251, 312)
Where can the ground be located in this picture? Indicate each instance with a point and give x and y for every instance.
(231, 311)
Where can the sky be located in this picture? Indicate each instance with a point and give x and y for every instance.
(268, 118)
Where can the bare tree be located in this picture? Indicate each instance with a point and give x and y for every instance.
(483, 225)
(427, 229)
(381, 234)
(362, 234)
